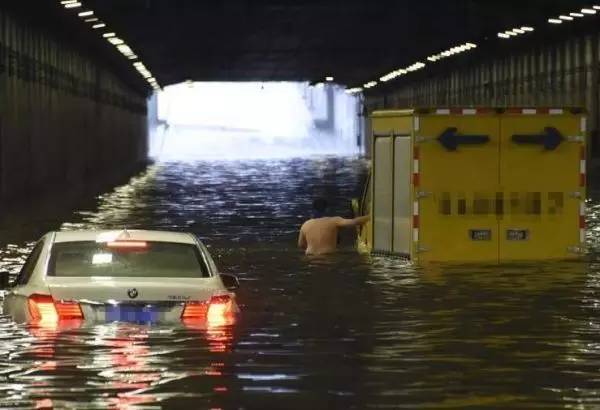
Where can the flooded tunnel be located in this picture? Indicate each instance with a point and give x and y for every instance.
(153, 151)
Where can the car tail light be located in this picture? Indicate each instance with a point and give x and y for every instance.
(215, 311)
(220, 307)
(43, 308)
(194, 311)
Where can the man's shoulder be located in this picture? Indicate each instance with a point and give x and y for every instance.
(322, 220)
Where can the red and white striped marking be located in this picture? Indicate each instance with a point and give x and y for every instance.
(462, 111)
(416, 221)
(535, 111)
(582, 167)
(416, 172)
(582, 222)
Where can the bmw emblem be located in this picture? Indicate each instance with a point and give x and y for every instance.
(132, 293)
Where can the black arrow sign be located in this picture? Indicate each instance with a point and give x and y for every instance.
(550, 138)
(451, 140)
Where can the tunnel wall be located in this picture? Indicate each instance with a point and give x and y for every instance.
(561, 73)
(65, 119)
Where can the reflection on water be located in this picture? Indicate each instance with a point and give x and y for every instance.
(346, 331)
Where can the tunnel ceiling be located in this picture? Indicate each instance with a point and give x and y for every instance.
(353, 40)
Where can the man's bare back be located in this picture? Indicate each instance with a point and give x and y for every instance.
(319, 236)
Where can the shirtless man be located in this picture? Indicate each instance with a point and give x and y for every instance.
(319, 235)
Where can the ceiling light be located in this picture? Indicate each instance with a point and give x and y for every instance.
(527, 28)
(68, 1)
(108, 35)
(99, 25)
(567, 18)
(596, 7)
(86, 13)
(91, 20)
(329, 78)
(132, 57)
(576, 14)
(588, 11)
(503, 35)
(554, 21)
(116, 41)
(518, 30)
(72, 5)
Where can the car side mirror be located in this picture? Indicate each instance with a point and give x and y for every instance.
(231, 282)
(4, 280)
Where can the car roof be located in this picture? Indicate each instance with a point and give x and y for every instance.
(124, 234)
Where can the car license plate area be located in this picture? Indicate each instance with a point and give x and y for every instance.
(132, 313)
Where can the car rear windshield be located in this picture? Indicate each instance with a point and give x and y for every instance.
(126, 259)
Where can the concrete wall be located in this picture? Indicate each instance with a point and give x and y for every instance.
(65, 119)
(559, 73)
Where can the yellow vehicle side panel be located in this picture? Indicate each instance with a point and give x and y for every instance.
(539, 187)
(459, 189)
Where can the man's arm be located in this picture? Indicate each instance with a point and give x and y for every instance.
(343, 222)
(302, 239)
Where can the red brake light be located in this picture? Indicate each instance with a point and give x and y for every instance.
(127, 244)
(216, 311)
(43, 308)
(220, 309)
(194, 311)
(68, 310)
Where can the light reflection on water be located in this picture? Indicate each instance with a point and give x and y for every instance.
(346, 331)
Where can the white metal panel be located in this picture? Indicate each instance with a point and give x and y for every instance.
(383, 195)
(402, 200)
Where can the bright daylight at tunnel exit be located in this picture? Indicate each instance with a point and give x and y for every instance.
(289, 205)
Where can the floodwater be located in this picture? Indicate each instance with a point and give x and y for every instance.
(346, 331)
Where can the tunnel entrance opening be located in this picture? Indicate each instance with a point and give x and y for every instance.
(238, 120)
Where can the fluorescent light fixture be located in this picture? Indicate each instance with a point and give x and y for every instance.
(370, 84)
(503, 35)
(72, 5)
(68, 2)
(588, 11)
(518, 30)
(554, 21)
(99, 25)
(108, 35)
(329, 78)
(354, 90)
(596, 7)
(86, 13)
(125, 49)
(132, 57)
(566, 18)
(91, 20)
(575, 14)
(527, 28)
(116, 41)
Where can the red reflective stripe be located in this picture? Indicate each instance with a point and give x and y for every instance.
(582, 153)
(416, 221)
(416, 153)
(582, 224)
(582, 180)
(416, 180)
(543, 110)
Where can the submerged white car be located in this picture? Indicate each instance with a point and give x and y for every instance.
(131, 276)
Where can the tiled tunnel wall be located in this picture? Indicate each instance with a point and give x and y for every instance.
(557, 74)
(64, 119)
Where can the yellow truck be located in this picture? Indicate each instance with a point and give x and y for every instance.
(476, 184)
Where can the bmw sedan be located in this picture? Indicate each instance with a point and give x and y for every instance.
(123, 276)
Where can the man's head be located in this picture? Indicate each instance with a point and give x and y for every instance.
(320, 205)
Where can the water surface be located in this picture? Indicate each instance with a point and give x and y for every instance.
(346, 331)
